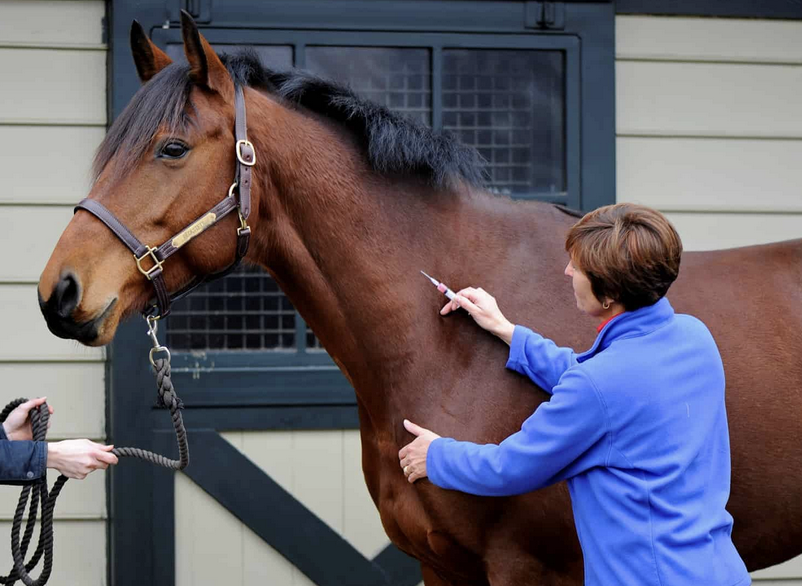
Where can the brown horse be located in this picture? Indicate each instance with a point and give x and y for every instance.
(349, 203)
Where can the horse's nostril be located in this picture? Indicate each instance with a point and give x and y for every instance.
(67, 295)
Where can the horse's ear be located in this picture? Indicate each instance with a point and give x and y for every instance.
(149, 59)
(205, 67)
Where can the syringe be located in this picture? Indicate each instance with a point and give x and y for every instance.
(440, 287)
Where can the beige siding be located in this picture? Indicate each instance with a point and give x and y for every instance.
(708, 39)
(23, 180)
(58, 86)
(79, 557)
(27, 337)
(31, 254)
(709, 131)
(44, 23)
(53, 109)
(669, 98)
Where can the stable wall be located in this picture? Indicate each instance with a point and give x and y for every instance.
(709, 132)
(52, 117)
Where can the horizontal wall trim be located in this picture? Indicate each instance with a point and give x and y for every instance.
(703, 137)
(781, 9)
(55, 46)
(669, 134)
(624, 57)
(735, 211)
(46, 122)
(38, 204)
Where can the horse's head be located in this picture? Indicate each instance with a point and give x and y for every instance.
(167, 160)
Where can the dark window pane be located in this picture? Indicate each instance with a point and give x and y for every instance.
(398, 78)
(244, 311)
(510, 105)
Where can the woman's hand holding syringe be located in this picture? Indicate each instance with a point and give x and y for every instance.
(480, 305)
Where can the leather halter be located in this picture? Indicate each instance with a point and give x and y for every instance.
(239, 198)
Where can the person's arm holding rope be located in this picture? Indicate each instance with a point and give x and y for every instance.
(24, 460)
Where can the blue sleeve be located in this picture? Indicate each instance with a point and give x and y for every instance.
(21, 461)
(565, 436)
(539, 358)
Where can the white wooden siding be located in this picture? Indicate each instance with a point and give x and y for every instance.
(48, 23)
(52, 117)
(53, 86)
(26, 337)
(17, 223)
(79, 557)
(22, 150)
(709, 131)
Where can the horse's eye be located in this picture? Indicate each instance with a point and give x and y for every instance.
(173, 150)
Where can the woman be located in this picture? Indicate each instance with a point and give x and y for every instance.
(637, 424)
(23, 460)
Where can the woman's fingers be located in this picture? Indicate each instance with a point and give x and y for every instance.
(467, 304)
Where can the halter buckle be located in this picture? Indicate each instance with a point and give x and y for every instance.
(243, 224)
(149, 273)
(245, 143)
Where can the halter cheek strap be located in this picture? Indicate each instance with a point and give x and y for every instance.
(238, 198)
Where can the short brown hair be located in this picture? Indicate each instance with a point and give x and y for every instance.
(630, 253)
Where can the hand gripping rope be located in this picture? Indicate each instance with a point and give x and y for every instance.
(47, 500)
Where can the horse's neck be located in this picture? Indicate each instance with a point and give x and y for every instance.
(347, 247)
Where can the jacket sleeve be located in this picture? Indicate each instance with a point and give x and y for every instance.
(565, 436)
(21, 461)
(539, 358)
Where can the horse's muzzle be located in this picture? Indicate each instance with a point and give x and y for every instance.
(58, 312)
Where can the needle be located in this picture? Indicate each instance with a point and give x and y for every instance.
(440, 286)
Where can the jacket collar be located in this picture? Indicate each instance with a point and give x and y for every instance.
(630, 324)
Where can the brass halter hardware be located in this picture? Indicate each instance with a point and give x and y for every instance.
(151, 252)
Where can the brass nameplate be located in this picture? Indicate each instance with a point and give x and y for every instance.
(191, 231)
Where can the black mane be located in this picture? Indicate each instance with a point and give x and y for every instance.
(393, 144)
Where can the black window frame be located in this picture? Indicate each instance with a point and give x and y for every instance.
(583, 30)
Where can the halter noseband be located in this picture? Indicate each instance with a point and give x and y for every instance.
(246, 158)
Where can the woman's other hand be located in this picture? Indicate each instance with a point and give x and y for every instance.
(483, 308)
(18, 425)
(77, 458)
(413, 455)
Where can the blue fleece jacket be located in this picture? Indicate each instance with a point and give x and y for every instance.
(638, 427)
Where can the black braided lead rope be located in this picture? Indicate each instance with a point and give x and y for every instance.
(39, 495)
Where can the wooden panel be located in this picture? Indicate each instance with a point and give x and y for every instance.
(45, 86)
(27, 337)
(710, 174)
(706, 99)
(362, 525)
(306, 463)
(712, 39)
(76, 391)
(17, 224)
(68, 151)
(46, 23)
(208, 539)
(80, 499)
(713, 231)
(79, 556)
